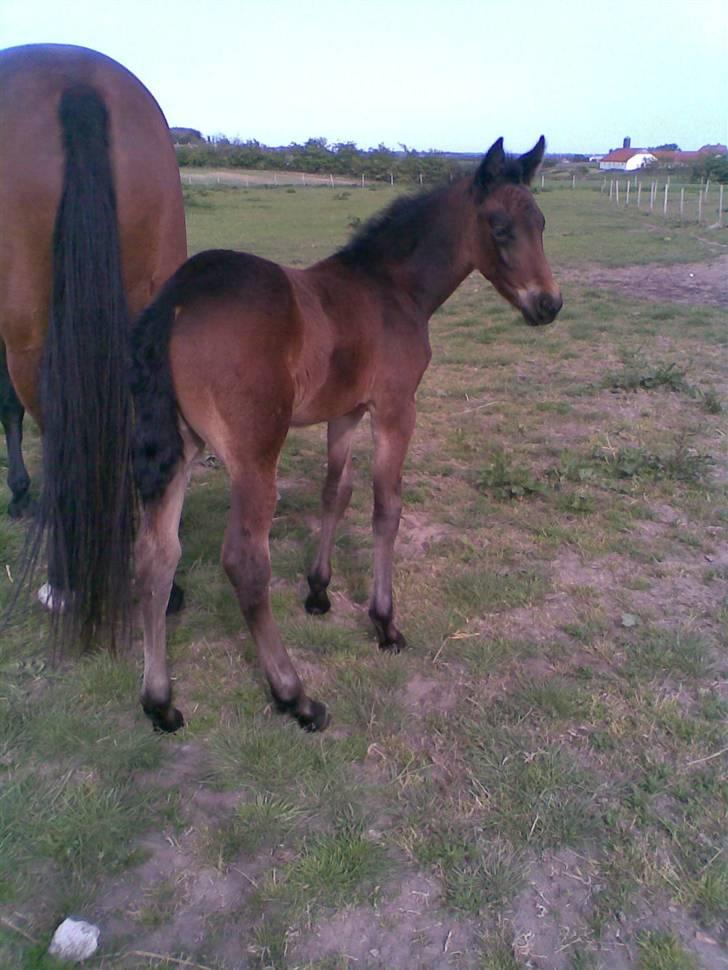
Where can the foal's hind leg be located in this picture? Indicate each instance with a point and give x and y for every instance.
(246, 560)
(157, 554)
(392, 429)
(11, 415)
(334, 501)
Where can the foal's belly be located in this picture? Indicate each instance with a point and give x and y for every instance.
(325, 408)
(332, 387)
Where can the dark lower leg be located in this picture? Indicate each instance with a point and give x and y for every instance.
(335, 498)
(285, 685)
(176, 600)
(11, 414)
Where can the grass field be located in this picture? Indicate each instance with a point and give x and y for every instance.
(539, 781)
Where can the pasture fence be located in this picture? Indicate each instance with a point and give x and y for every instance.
(704, 204)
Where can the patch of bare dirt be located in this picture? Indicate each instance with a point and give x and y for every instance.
(550, 920)
(409, 929)
(693, 283)
(428, 695)
(417, 533)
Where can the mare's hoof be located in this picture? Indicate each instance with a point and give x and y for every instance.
(51, 599)
(176, 600)
(393, 644)
(311, 715)
(165, 720)
(22, 507)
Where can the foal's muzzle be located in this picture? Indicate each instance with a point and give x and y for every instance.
(542, 308)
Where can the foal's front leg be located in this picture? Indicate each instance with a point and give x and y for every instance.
(392, 429)
(335, 498)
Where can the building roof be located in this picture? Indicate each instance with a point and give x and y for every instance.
(666, 157)
(624, 154)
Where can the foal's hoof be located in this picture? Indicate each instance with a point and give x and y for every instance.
(311, 715)
(318, 602)
(393, 644)
(165, 720)
(176, 600)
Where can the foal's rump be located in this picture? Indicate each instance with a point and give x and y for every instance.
(218, 347)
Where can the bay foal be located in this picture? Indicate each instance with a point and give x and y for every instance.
(237, 349)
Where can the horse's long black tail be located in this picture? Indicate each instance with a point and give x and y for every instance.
(87, 513)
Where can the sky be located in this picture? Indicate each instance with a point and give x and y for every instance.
(445, 74)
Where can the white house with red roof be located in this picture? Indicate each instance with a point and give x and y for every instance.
(627, 160)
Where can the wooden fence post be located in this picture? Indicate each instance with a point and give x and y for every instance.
(667, 189)
(616, 189)
(639, 193)
(626, 201)
(700, 207)
(720, 207)
(611, 189)
(573, 182)
(542, 178)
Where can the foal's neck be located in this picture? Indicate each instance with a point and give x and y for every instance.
(442, 258)
(418, 248)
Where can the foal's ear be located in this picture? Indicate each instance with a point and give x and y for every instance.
(531, 160)
(491, 167)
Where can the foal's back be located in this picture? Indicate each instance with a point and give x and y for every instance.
(291, 346)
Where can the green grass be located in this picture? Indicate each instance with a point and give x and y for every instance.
(661, 951)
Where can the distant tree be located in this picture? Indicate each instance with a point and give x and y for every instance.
(316, 155)
(187, 136)
(671, 147)
(717, 168)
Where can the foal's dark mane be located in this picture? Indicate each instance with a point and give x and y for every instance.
(392, 235)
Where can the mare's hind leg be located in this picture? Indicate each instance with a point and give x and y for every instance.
(11, 415)
(246, 560)
(334, 501)
(157, 554)
(392, 429)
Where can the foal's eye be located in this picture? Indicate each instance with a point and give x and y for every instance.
(502, 232)
(502, 235)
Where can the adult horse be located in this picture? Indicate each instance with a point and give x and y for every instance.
(91, 225)
(237, 349)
